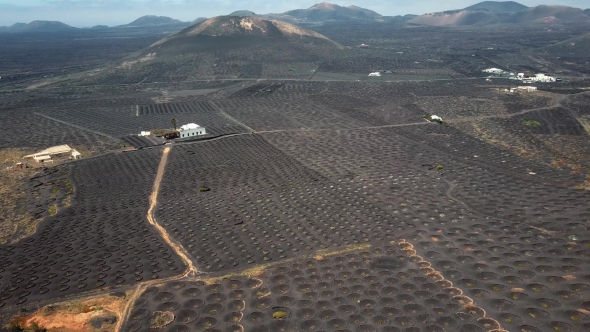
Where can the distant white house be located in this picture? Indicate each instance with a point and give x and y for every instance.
(375, 74)
(145, 133)
(191, 129)
(60, 150)
(493, 71)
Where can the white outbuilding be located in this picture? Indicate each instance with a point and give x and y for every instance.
(60, 150)
(190, 130)
(375, 74)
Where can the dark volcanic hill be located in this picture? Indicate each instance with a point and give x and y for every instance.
(326, 11)
(498, 6)
(38, 26)
(226, 47)
(151, 21)
(237, 31)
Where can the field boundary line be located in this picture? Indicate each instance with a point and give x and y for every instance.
(76, 126)
(466, 301)
(230, 117)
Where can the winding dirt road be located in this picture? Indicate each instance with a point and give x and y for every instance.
(191, 269)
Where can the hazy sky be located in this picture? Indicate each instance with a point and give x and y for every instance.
(85, 13)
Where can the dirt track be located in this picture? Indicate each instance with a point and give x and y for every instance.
(191, 269)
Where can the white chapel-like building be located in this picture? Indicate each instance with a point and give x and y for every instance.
(191, 129)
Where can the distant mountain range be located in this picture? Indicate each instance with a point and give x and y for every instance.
(243, 13)
(483, 13)
(326, 11)
(38, 26)
(493, 12)
(153, 21)
(321, 12)
(142, 22)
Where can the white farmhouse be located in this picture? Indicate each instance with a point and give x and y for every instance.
(375, 74)
(191, 129)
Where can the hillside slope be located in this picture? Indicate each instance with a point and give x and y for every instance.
(573, 47)
(549, 14)
(457, 18)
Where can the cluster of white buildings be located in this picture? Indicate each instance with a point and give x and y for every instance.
(537, 78)
(542, 78)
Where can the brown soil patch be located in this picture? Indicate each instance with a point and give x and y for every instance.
(76, 315)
